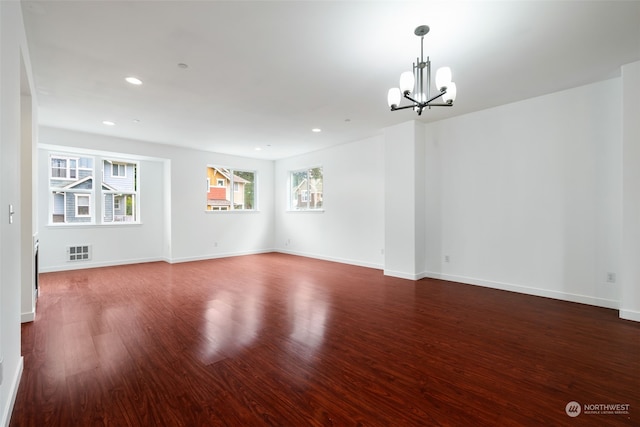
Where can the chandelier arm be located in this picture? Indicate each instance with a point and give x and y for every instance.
(411, 99)
(435, 97)
(402, 108)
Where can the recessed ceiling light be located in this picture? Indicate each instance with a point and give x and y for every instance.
(182, 65)
(136, 120)
(258, 149)
(134, 80)
(316, 130)
(108, 123)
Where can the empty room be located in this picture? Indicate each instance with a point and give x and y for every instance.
(310, 213)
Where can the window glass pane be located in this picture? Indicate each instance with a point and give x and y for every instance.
(315, 188)
(233, 189)
(85, 163)
(298, 187)
(73, 171)
(244, 190)
(72, 188)
(306, 191)
(120, 186)
(58, 168)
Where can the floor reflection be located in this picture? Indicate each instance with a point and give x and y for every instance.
(308, 310)
(232, 320)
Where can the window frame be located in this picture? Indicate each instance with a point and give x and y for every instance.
(306, 193)
(62, 188)
(88, 204)
(78, 196)
(132, 209)
(233, 189)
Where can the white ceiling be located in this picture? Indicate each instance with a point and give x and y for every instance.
(264, 73)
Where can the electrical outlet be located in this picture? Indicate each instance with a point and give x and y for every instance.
(446, 258)
(611, 277)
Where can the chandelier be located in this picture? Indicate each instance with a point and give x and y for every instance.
(412, 84)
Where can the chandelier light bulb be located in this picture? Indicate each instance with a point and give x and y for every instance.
(407, 80)
(393, 97)
(450, 96)
(443, 78)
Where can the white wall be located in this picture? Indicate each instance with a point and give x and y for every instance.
(351, 227)
(175, 226)
(404, 201)
(530, 195)
(630, 277)
(197, 234)
(13, 73)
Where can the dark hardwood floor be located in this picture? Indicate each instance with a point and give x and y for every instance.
(275, 339)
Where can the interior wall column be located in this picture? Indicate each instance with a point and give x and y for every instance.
(630, 273)
(404, 201)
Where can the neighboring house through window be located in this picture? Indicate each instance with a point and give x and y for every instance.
(234, 189)
(72, 190)
(306, 189)
(119, 191)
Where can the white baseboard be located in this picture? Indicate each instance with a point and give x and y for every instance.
(81, 265)
(13, 393)
(401, 275)
(332, 259)
(216, 256)
(564, 296)
(630, 315)
(28, 317)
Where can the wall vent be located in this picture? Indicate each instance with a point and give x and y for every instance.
(79, 253)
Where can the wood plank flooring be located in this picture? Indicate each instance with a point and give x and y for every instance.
(274, 339)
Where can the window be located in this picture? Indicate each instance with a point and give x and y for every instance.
(120, 191)
(305, 191)
(64, 168)
(119, 170)
(234, 189)
(72, 190)
(83, 205)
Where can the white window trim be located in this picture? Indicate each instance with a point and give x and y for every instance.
(290, 207)
(231, 191)
(77, 205)
(96, 217)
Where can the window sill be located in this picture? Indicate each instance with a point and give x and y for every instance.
(305, 211)
(93, 225)
(231, 212)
